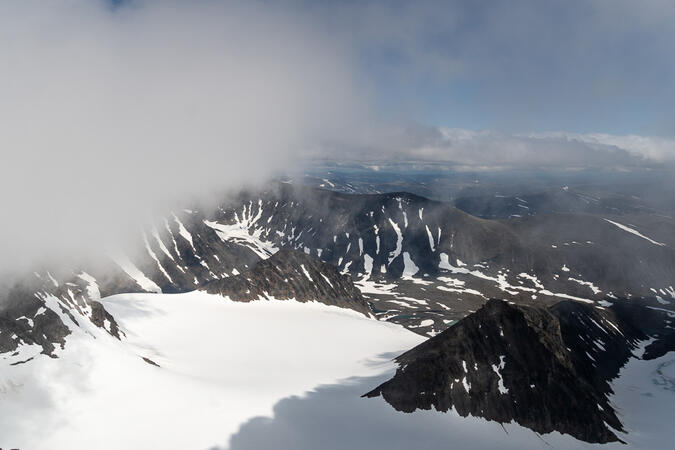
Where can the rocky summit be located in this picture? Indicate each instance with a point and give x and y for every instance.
(548, 369)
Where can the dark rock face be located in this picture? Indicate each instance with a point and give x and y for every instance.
(25, 320)
(290, 274)
(99, 316)
(546, 368)
(661, 346)
(149, 361)
(186, 253)
(42, 311)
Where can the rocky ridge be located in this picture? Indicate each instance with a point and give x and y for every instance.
(548, 369)
(289, 274)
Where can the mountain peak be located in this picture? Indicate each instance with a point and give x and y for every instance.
(505, 362)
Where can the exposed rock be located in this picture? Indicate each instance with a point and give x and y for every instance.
(290, 274)
(99, 317)
(547, 369)
(25, 320)
(149, 361)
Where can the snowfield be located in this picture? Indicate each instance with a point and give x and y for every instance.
(261, 375)
(221, 363)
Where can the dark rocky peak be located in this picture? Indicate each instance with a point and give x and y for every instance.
(41, 310)
(24, 319)
(547, 369)
(289, 274)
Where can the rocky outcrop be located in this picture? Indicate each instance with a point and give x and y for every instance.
(103, 319)
(289, 274)
(548, 369)
(25, 320)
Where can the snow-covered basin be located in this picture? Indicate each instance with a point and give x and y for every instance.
(226, 364)
(221, 363)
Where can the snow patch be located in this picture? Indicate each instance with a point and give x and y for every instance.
(588, 284)
(304, 270)
(497, 369)
(368, 264)
(635, 232)
(409, 267)
(399, 241)
(431, 239)
(139, 277)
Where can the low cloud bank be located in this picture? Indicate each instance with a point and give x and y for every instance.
(496, 150)
(113, 113)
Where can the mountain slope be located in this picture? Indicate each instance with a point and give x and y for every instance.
(546, 368)
(418, 262)
(289, 274)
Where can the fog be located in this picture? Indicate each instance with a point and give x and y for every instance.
(111, 114)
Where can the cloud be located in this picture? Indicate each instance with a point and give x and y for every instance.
(110, 114)
(652, 150)
(496, 150)
(594, 65)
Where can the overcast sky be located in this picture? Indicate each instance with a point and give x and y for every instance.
(538, 65)
(113, 110)
(514, 82)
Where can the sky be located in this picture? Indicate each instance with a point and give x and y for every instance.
(586, 66)
(516, 82)
(112, 111)
(519, 65)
